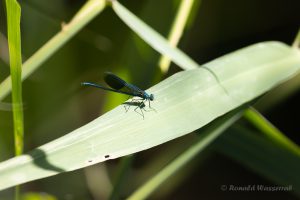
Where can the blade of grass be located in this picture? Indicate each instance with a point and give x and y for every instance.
(270, 131)
(176, 31)
(205, 139)
(186, 100)
(14, 44)
(296, 43)
(13, 12)
(153, 38)
(88, 12)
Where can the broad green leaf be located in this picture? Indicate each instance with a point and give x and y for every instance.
(156, 41)
(184, 102)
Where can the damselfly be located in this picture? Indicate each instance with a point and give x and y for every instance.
(120, 86)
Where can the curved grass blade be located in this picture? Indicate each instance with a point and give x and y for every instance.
(184, 102)
(270, 131)
(180, 21)
(154, 39)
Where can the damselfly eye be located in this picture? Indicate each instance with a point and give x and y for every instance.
(151, 97)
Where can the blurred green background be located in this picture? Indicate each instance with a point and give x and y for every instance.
(55, 103)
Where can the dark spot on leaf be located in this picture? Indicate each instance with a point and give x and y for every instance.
(106, 156)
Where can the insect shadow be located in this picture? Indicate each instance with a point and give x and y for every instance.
(139, 106)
